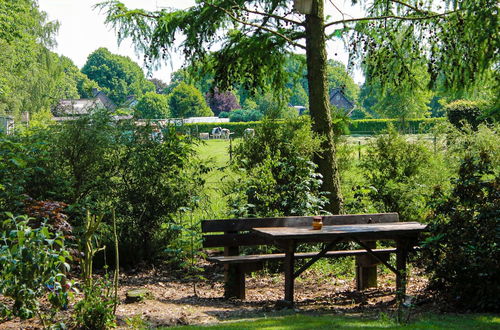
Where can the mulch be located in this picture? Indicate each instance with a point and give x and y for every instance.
(177, 300)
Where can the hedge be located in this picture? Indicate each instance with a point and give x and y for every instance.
(373, 126)
(361, 126)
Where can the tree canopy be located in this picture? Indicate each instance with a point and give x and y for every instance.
(187, 101)
(222, 101)
(117, 75)
(153, 106)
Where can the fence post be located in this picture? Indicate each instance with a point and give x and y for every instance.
(359, 150)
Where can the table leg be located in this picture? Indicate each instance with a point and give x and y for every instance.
(401, 257)
(289, 271)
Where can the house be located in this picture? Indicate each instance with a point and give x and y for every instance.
(77, 107)
(6, 124)
(70, 107)
(106, 101)
(130, 102)
(340, 100)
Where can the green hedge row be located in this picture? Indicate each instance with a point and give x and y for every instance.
(373, 126)
(362, 126)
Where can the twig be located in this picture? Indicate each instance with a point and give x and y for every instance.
(403, 18)
(276, 33)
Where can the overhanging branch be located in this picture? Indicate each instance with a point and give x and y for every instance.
(278, 17)
(276, 33)
(377, 18)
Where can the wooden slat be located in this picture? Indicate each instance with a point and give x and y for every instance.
(249, 239)
(367, 231)
(209, 226)
(299, 255)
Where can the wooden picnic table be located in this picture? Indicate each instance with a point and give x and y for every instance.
(287, 238)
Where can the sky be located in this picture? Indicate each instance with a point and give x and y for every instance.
(82, 31)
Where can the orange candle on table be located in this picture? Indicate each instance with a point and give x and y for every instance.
(317, 222)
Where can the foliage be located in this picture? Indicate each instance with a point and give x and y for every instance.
(394, 170)
(462, 253)
(462, 112)
(222, 101)
(95, 310)
(117, 75)
(33, 266)
(278, 176)
(245, 116)
(49, 212)
(27, 69)
(160, 85)
(156, 180)
(186, 101)
(13, 172)
(91, 164)
(153, 106)
(83, 153)
(402, 101)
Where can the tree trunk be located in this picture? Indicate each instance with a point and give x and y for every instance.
(319, 104)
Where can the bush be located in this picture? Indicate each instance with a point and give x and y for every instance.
(245, 115)
(395, 173)
(277, 173)
(33, 263)
(465, 112)
(462, 254)
(95, 310)
(93, 163)
(155, 181)
(374, 126)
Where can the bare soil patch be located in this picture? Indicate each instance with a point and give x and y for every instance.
(178, 301)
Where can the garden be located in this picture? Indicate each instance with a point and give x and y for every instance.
(98, 211)
(116, 213)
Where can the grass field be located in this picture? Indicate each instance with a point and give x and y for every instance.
(299, 321)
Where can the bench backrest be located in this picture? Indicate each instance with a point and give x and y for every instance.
(236, 232)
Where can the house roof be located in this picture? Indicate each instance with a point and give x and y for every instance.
(71, 107)
(340, 100)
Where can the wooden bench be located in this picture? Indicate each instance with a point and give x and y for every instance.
(231, 234)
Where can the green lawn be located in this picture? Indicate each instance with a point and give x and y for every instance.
(298, 321)
(216, 151)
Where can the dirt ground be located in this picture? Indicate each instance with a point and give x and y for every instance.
(176, 301)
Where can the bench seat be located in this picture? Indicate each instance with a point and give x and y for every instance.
(299, 255)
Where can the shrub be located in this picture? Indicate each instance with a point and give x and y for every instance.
(93, 163)
(156, 179)
(245, 115)
(278, 175)
(33, 263)
(462, 254)
(395, 172)
(95, 310)
(465, 112)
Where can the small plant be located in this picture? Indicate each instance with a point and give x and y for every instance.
(33, 264)
(136, 322)
(96, 310)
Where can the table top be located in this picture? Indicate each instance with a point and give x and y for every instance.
(372, 230)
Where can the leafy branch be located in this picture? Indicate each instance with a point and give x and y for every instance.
(244, 22)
